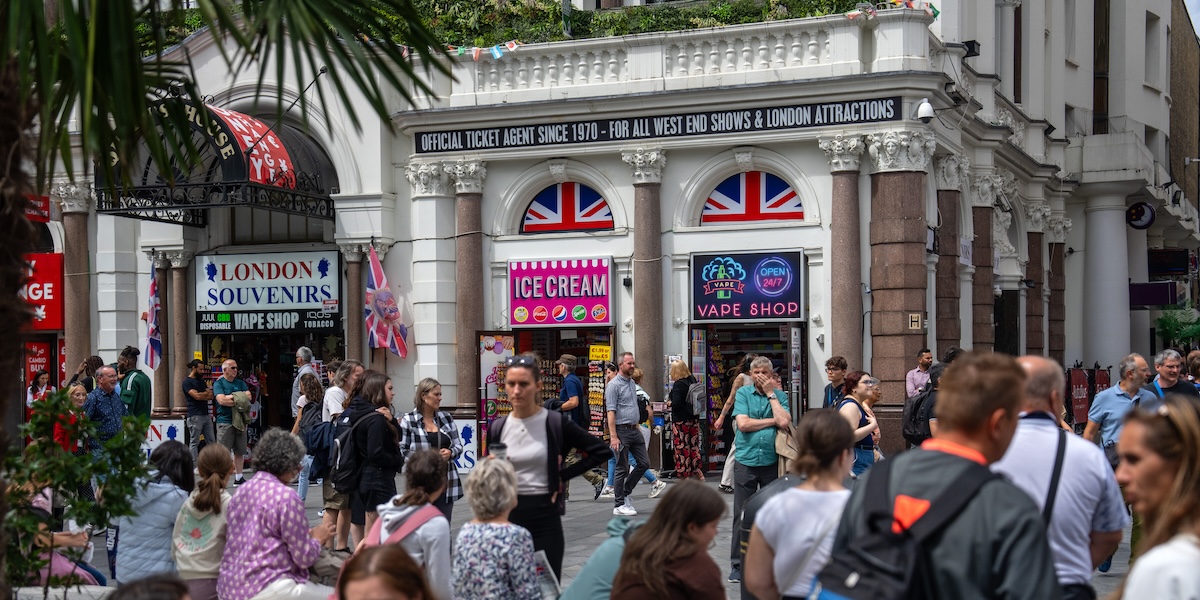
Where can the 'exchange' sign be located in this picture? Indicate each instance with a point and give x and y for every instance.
(663, 126)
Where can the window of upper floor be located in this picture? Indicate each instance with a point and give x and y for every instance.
(565, 207)
(752, 196)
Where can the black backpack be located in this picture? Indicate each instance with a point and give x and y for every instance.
(882, 565)
(643, 403)
(917, 412)
(310, 416)
(346, 466)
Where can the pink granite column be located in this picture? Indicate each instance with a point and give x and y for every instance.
(1035, 312)
(648, 310)
(1057, 228)
(899, 274)
(181, 354)
(76, 202)
(983, 296)
(468, 176)
(355, 300)
(845, 252)
(951, 172)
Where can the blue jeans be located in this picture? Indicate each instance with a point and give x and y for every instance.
(863, 459)
(612, 468)
(302, 484)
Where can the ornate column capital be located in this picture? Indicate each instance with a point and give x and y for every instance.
(1036, 213)
(953, 172)
(984, 187)
(647, 164)
(468, 175)
(179, 258)
(352, 253)
(901, 150)
(844, 152)
(73, 197)
(427, 178)
(1057, 228)
(158, 259)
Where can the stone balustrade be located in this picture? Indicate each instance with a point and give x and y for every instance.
(768, 52)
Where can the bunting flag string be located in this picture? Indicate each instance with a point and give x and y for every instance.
(496, 51)
(867, 10)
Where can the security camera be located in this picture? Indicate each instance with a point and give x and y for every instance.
(925, 111)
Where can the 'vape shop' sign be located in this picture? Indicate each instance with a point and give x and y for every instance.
(747, 287)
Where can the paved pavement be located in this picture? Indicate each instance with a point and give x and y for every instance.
(585, 524)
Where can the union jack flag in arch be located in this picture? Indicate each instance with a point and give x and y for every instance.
(567, 207)
(384, 327)
(752, 196)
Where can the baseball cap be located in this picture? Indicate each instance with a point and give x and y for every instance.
(567, 360)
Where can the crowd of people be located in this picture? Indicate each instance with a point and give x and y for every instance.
(1000, 500)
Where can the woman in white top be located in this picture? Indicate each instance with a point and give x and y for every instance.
(39, 388)
(538, 441)
(793, 532)
(1160, 471)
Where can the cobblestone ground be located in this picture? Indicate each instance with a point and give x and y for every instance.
(586, 519)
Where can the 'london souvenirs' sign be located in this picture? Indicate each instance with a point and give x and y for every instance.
(747, 287)
(560, 293)
(268, 292)
(772, 118)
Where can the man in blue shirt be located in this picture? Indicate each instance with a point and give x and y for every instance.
(625, 436)
(1108, 410)
(104, 407)
(572, 403)
(228, 435)
(760, 409)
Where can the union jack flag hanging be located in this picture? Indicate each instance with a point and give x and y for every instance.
(752, 196)
(567, 207)
(384, 327)
(153, 335)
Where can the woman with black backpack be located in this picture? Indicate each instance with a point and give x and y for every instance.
(310, 415)
(378, 448)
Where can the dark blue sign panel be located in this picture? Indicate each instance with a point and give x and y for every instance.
(747, 287)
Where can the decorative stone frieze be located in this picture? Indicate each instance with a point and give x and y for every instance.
(558, 170)
(1004, 117)
(844, 152)
(745, 158)
(1036, 213)
(468, 175)
(1001, 222)
(953, 171)
(74, 197)
(428, 178)
(1007, 189)
(984, 188)
(901, 150)
(1057, 228)
(647, 164)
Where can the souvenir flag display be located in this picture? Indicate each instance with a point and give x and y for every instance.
(153, 335)
(497, 51)
(567, 207)
(752, 196)
(384, 327)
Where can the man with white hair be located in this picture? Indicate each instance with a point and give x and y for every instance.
(304, 357)
(1068, 478)
(1169, 364)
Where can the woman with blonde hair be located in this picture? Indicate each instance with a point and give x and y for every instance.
(685, 424)
(428, 427)
(1160, 473)
(668, 556)
(493, 558)
(413, 521)
(199, 536)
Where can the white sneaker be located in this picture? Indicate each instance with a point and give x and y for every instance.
(657, 488)
(625, 510)
(608, 492)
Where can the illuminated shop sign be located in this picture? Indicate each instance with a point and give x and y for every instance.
(747, 287)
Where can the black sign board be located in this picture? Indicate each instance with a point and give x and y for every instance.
(772, 118)
(1167, 261)
(266, 321)
(748, 287)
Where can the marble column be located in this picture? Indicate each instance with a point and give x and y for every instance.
(899, 275)
(433, 273)
(647, 165)
(845, 253)
(1105, 275)
(1057, 228)
(352, 254)
(983, 297)
(952, 172)
(468, 176)
(1036, 213)
(76, 201)
(161, 398)
(180, 353)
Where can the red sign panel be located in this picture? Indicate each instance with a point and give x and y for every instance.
(268, 162)
(37, 358)
(43, 291)
(1102, 380)
(38, 209)
(62, 360)
(1079, 397)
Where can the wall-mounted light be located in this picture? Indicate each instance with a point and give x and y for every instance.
(972, 48)
(628, 283)
(1050, 129)
(821, 340)
(1029, 283)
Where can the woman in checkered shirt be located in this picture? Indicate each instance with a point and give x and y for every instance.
(429, 427)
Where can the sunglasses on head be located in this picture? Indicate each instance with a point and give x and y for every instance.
(521, 360)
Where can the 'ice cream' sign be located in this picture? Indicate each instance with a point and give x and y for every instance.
(560, 293)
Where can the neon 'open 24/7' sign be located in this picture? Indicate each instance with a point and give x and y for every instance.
(747, 287)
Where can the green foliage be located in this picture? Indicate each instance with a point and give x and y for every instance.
(1177, 325)
(45, 464)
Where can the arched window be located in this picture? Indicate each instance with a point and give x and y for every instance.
(567, 206)
(752, 196)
